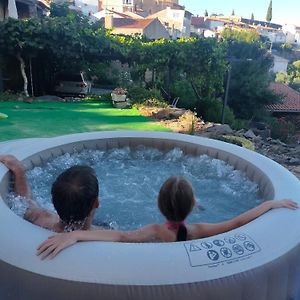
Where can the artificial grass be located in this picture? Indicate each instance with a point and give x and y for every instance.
(46, 119)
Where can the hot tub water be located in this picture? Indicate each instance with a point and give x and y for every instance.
(130, 182)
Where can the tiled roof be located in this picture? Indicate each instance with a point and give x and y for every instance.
(131, 23)
(178, 6)
(262, 23)
(290, 101)
(118, 13)
(197, 21)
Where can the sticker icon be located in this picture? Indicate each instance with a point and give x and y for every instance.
(240, 237)
(194, 247)
(219, 243)
(229, 240)
(226, 252)
(249, 246)
(213, 255)
(238, 249)
(206, 245)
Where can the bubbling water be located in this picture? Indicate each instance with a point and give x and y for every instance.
(130, 181)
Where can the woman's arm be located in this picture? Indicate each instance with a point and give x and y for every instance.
(56, 243)
(205, 230)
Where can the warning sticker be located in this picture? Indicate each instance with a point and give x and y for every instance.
(217, 251)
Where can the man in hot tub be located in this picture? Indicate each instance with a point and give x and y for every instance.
(75, 196)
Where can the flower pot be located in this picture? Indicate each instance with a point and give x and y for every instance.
(118, 98)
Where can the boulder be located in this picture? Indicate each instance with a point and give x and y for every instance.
(49, 98)
(220, 129)
(249, 134)
(169, 113)
(264, 133)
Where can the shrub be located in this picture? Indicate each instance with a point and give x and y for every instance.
(189, 118)
(282, 129)
(138, 94)
(187, 98)
(155, 102)
(236, 140)
(212, 112)
(9, 96)
(106, 97)
(93, 98)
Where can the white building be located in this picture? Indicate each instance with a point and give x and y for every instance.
(292, 33)
(147, 6)
(274, 35)
(176, 20)
(280, 64)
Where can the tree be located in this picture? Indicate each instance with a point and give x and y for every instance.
(60, 9)
(52, 44)
(269, 12)
(245, 35)
(232, 13)
(250, 65)
(252, 17)
(294, 74)
(20, 40)
(282, 77)
(206, 13)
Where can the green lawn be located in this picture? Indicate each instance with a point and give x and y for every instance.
(46, 119)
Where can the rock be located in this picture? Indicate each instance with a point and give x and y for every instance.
(240, 132)
(278, 142)
(296, 170)
(220, 129)
(120, 104)
(294, 161)
(249, 134)
(169, 113)
(28, 100)
(259, 125)
(265, 134)
(50, 98)
(176, 113)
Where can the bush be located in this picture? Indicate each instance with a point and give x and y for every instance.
(138, 94)
(103, 74)
(236, 140)
(282, 129)
(93, 98)
(212, 111)
(155, 103)
(106, 97)
(9, 96)
(187, 98)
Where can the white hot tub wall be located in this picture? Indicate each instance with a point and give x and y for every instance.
(154, 271)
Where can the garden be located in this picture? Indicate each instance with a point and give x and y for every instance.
(194, 71)
(46, 119)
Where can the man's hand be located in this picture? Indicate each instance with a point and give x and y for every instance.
(16, 167)
(12, 163)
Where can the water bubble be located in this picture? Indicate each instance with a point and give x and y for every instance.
(130, 181)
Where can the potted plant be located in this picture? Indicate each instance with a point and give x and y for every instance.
(118, 97)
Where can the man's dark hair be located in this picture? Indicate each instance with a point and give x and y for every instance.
(74, 193)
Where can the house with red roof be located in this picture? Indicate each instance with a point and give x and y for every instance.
(289, 106)
(290, 102)
(152, 28)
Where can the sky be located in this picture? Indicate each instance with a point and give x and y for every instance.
(284, 11)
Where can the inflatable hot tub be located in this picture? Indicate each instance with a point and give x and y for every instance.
(257, 261)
